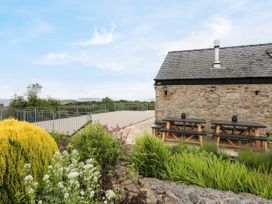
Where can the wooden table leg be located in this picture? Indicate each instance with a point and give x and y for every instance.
(199, 129)
(165, 134)
(265, 146)
(217, 131)
(257, 134)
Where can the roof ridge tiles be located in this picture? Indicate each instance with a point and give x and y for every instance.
(226, 47)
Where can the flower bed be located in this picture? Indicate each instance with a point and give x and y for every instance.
(67, 181)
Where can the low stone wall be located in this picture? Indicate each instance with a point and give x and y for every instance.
(133, 189)
(251, 102)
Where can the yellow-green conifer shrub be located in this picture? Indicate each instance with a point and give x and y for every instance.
(20, 143)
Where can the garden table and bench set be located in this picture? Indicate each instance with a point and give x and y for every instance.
(231, 134)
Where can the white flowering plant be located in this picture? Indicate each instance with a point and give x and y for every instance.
(68, 180)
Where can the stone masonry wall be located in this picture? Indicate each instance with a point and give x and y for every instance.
(216, 102)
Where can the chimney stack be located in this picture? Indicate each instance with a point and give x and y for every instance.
(217, 63)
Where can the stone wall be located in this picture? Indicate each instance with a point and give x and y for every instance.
(134, 189)
(217, 102)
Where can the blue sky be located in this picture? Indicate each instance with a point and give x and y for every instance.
(88, 48)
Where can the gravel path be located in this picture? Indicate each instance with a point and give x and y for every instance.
(139, 129)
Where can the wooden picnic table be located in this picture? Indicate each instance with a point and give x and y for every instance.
(187, 128)
(247, 132)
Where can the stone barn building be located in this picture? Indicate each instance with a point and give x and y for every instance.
(205, 84)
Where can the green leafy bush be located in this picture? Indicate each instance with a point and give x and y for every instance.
(201, 167)
(95, 142)
(149, 156)
(256, 160)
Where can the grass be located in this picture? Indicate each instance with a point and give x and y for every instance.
(205, 167)
(150, 156)
(261, 161)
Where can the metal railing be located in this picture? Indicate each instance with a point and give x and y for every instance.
(102, 108)
(34, 114)
(37, 114)
(67, 119)
(64, 122)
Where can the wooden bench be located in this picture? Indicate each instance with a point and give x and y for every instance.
(186, 135)
(160, 123)
(187, 125)
(156, 129)
(231, 128)
(157, 126)
(239, 138)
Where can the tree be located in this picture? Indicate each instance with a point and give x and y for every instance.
(107, 100)
(18, 102)
(33, 90)
(32, 94)
(33, 99)
(108, 103)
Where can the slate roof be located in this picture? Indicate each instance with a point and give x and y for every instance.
(247, 61)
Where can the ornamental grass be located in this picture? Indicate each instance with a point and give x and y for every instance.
(20, 143)
(153, 158)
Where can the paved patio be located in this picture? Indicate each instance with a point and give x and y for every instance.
(122, 118)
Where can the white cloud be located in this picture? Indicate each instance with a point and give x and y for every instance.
(99, 37)
(214, 29)
(52, 58)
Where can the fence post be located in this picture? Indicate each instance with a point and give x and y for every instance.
(53, 121)
(35, 116)
(90, 114)
(1, 114)
(24, 115)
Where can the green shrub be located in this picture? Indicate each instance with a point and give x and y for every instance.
(20, 143)
(256, 160)
(149, 156)
(95, 142)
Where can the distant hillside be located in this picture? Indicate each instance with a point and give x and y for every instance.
(89, 99)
